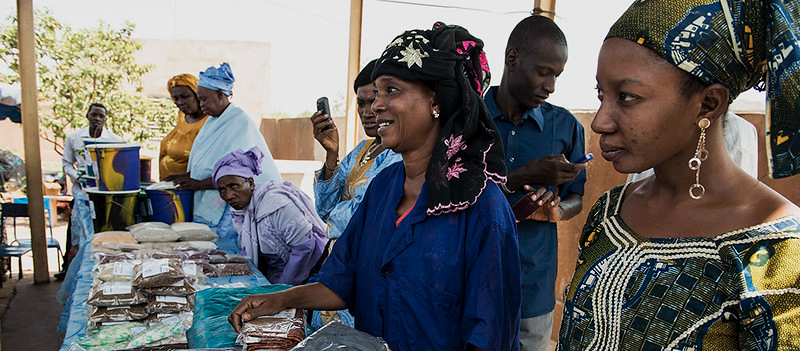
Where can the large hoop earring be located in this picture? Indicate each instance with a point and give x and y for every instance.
(697, 190)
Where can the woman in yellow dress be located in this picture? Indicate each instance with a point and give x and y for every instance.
(174, 155)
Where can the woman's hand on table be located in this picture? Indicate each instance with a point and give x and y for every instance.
(325, 132)
(255, 306)
(185, 182)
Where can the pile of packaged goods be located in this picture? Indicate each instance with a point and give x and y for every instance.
(145, 281)
(281, 331)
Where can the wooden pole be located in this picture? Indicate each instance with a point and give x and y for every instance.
(30, 131)
(548, 7)
(353, 67)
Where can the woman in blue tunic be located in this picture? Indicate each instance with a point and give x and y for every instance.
(430, 259)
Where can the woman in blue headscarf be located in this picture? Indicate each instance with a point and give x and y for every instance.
(228, 129)
(699, 256)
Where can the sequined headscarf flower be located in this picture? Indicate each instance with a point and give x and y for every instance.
(468, 153)
(734, 43)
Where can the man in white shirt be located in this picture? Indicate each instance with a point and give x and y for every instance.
(74, 159)
(74, 150)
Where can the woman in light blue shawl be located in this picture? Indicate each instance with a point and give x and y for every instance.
(228, 129)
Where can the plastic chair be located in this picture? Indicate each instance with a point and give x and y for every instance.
(10, 210)
(51, 242)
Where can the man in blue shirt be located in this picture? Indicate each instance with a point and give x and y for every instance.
(539, 140)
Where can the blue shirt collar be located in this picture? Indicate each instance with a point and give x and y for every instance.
(534, 114)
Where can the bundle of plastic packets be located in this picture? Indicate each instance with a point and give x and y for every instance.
(138, 301)
(277, 332)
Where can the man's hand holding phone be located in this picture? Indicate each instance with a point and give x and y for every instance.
(541, 204)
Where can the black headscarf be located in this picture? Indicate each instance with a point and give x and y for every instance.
(365, 76)
(469, 151)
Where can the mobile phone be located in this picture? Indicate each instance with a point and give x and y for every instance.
(585, 158)
(525, 206)
(325, 107)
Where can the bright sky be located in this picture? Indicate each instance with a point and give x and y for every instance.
(309, 38)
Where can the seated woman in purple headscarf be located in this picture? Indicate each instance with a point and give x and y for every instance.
(278, 228)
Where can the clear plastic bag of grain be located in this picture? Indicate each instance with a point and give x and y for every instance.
(281, 331)
(115, 294)
(119, 271)
(189, 231)
(153, 232)
(181, 288)
(154, 273)
(233, 269)
(117, 314)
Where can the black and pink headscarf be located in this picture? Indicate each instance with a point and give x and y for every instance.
(469, 152)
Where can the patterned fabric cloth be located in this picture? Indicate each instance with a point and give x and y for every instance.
(338, 197)
(732, 42)
(245, 164)
(468, 153)
(173, 157)
(218, 78)
(734, 291)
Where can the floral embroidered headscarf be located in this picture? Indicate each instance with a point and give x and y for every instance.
(468, 153)
(734, 43)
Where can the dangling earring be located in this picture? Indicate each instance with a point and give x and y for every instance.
(435, 114)
(697, 190)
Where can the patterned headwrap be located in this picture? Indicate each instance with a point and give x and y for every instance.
(184, 79)
(732, 42)
(469, 152)
(218, 78)
(365, 76)
(245, 164)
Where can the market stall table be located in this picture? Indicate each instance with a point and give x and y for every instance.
(75, 318)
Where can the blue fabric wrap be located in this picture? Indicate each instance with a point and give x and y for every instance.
(217, 78)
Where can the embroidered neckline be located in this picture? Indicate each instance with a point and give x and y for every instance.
(717, 237)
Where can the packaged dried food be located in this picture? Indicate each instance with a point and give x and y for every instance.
(98, 239)
(107, 335)
(120, 271)
(203, 245)
(159, 254)
(233, 269)
(169, 304)
(215, 259)
(148, 225)
(235, 259)
(172, 329)
(157, 246)
(115, 294)
(181, 288)
(117, 314)
(102, 257)
(189, 231)
(215, 252)
(156, 273)
(125, 247)
(197, 255)
(208, 269)
(153, 233)
(281, 331)
(337, 336)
